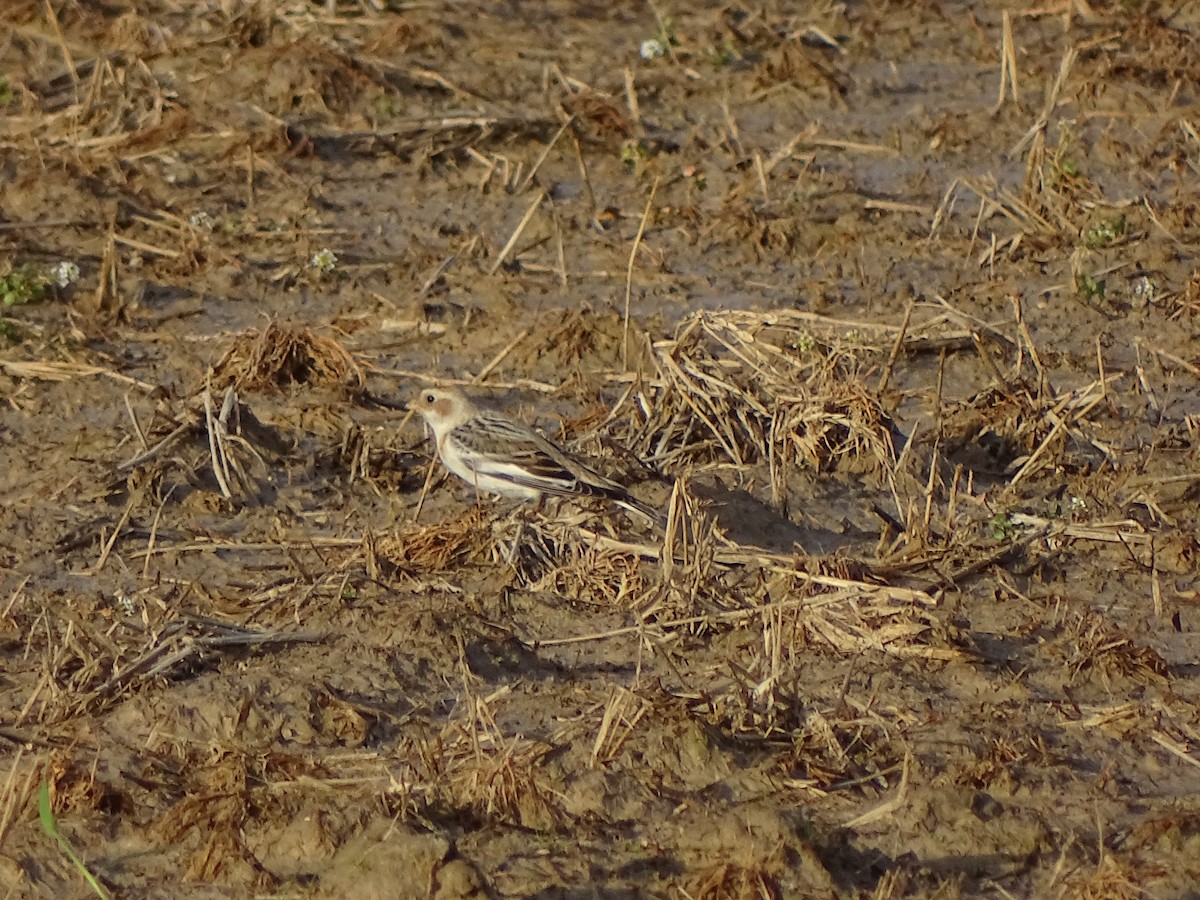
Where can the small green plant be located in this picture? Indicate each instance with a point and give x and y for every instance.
(50, 826)
(1002, 527)
(1068, 167)
(804, 343)
(126, 604)
(1088, 287)
(635, 155)
(324, 261)
(724, 55)
(386, 107)
(6, 92)
(1104, 234)
(1062, 166)
(23, 285)
(30, 283)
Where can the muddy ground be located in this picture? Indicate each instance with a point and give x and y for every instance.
(894, 306)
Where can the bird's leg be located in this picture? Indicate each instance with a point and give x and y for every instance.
(515, 546)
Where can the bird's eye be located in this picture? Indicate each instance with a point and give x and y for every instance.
(430, 399)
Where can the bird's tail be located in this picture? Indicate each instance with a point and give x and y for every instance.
(636, 506)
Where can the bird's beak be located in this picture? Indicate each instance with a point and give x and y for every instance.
(369, 399)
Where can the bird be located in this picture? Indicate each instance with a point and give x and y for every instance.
(498, 454)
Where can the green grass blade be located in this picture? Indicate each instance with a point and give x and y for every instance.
(50, 826)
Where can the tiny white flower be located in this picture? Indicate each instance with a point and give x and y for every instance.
(66, 272)
(652, 48)
(324, 260)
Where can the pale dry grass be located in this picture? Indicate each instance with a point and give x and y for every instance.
(735, 389)
(278, 356)
(474, 767)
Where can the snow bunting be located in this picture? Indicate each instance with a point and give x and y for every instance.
(500, 455)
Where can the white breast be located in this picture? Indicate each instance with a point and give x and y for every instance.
(464, 465)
